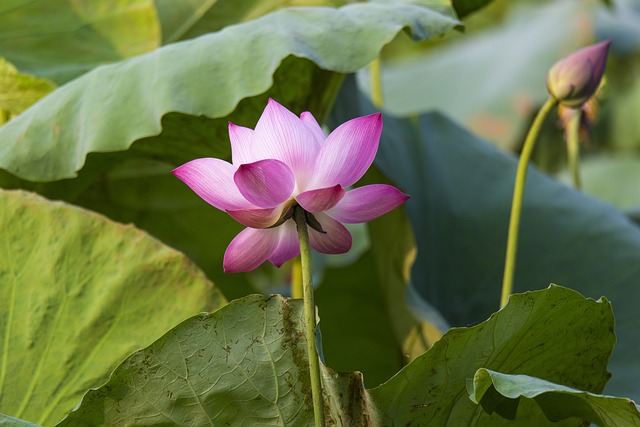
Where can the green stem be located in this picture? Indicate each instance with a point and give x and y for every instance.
(573, 147)
(376, 83)
(516, 206)
(309, 316)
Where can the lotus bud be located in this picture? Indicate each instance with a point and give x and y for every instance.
(574, 79)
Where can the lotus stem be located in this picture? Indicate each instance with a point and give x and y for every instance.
(573, 147)
(309, 315)
(518, 192)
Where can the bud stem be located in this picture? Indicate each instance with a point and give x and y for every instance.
(309, 315)
(573, 147)
(518, 192)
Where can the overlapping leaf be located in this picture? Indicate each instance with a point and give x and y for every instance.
(550, 334)
(244, 364)
(186, 20)
(78, 294)
(114, 105)
(501, 393)
(247, 363)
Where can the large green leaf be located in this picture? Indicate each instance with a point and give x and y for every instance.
(79, 293)
(114, 105)
(554, 334)
(461, 188)
(145, 192)
(193, 18)
(247, 363)
(244, 364)
(62, 39)
(501, 392)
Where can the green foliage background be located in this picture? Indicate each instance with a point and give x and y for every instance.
(100, 102)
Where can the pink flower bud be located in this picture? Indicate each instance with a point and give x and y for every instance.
(574, 79)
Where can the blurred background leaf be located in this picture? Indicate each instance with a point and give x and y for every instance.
(612, 178)
(79, 294)
(492, 78)
(465, 7)
(61, 39)
(18, 91)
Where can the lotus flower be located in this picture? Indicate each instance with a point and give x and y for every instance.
(287, 161)
(574, 79)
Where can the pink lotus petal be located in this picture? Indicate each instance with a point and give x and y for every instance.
(288, 245)
(366, 203)
(257, 218)
(348, 152)
(281, 135)
(336, 240)
(212, 179)
(265, 183)
(312, 125)
(241, 144)
(250, 248)
(321, 199)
